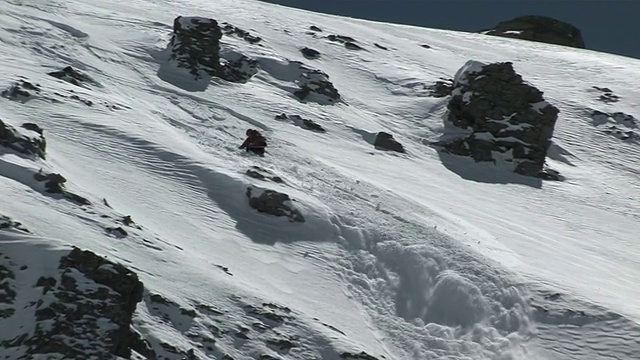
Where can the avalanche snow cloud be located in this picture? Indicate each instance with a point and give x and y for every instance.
(107, 145)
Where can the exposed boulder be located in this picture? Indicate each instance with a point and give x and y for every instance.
(274, 203)
(83, 309)
(606, 95)
(349, 42)
(259, 173)
(357, 356)
(343, 39)
(118, 232)
(310, 53)
(504, 117)
(229, 29)
(352, 46)
(386, 141)
(72, 76)
(6, 223)
(54, 184)
(315, 86)
(302, 122)
(315, 28)
(380, 46)
(541, 29)
(21, 90)
(29, 141)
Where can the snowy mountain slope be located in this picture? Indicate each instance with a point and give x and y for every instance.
(412, 256)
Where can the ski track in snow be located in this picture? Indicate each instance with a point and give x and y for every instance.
(410, 256)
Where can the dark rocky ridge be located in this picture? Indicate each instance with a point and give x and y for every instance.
(541, 29)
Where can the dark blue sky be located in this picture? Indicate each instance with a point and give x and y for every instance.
(607, 25)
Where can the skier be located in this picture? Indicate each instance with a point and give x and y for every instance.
(255, 142)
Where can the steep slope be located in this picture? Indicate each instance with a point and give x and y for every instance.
(401, 256)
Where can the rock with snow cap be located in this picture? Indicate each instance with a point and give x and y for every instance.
(503, 116)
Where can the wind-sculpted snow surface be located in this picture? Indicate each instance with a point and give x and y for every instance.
(352, 238)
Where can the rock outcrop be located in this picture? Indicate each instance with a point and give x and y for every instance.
(54, 184)
(315, 86)
(28, 141)
(195, 46)
(504, 118)
(541, 29)
(229, 29)
(348, 42)
(606, 95)
(298, 120)
(80, 310)
(259, 173)
(7, 223)
(310, 53)
(623, 126)
(72, 76)
(21, 90)
(386, 141)
(274, 203)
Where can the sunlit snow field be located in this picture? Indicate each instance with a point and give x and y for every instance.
(420, 255)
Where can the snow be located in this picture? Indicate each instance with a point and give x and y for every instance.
(409, 256)
(470, 67)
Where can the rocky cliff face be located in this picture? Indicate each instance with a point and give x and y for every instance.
(541, 29)
(502, 117)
